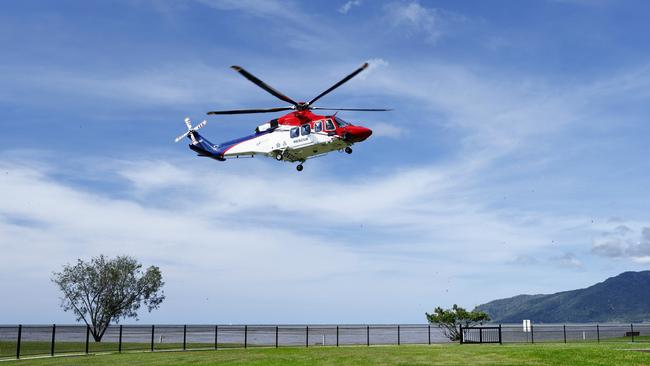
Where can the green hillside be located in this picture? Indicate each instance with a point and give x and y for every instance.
(624, 298)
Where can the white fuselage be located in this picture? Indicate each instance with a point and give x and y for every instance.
(293, 142)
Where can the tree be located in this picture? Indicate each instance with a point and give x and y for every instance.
(106, 290)
(450, 320)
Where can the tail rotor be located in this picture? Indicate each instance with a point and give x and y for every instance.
(191, 130)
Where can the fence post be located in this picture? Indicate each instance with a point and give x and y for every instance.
(20, 335)
(53, 337)
(337, 336)
(429, 332)
(460, 331)
(276, 336)
(632, 330)
(532, 333)
(480, 335)
(307, 336)
(564, 327)
(399, 341)
(245, 336)
(87, 337)
(153, 330)
(500, 338)
(367, 335)
(598, 332)
(119, 342)
(216, 337)
(184, 337)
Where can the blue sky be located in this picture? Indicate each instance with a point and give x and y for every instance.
(515, 160)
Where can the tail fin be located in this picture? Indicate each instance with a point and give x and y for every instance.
(191, 130)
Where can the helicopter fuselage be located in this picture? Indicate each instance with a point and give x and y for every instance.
(297, 136)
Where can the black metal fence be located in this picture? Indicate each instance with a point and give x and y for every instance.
(480, 334)
(31, 340)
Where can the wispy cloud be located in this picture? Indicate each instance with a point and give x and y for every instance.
(382, 129)
(567, 260)
(415, 19)
(190, 84)
(266, 8)
(345, 8)
(622, 242)
(165, 211)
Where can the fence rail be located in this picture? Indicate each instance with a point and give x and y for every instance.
(17, 341)
(480, 334)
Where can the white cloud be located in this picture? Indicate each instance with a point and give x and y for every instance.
(345, 8)
(259, 8)
(390, 130)
(415, 18)
(524, 260)
(222, 234)
(182, 85)
(567, 260)
(59, 222)
(375, 65)
(624, 242)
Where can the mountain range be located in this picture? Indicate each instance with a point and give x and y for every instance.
(623, 298)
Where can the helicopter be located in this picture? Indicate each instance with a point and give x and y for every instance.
(294, 137)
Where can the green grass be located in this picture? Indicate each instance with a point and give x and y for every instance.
(449, 354)
(31, 348)
(644, 338)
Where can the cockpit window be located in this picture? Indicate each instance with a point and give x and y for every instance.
(329, 125)
(318, 126)
(341, 122)
(305, 130)
(295, 132)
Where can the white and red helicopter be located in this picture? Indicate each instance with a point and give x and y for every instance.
(294, 137)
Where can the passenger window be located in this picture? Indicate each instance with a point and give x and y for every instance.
(295, 132)
(318, 126)
(305, 130)
(329, 125)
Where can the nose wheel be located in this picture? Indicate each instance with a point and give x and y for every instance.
(348, 149)
(299, 167)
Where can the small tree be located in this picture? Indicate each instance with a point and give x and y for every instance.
(106, 290)
(450, 320)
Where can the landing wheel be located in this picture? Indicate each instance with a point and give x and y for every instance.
(279, 156)
(299, 167)
(348, 150)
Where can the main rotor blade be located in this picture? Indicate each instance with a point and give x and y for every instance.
(363, 67)
(246, 111)
(354, 109)
(263, 85)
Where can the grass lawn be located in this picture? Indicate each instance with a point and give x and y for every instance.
(449, 354)
(32, 348)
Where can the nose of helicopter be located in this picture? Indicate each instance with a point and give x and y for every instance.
(359, 133)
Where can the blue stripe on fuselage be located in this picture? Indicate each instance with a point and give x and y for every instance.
(222, 147)
(218, 150)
